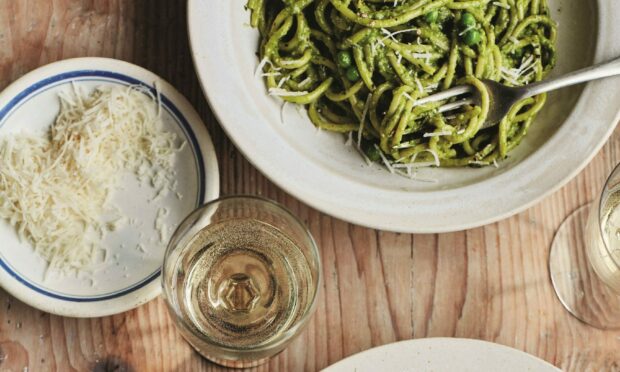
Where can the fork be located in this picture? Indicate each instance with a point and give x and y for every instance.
(503, 97)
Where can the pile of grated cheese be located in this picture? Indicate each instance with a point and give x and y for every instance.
(56, 187)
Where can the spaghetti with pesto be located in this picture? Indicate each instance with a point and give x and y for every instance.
(359, 66)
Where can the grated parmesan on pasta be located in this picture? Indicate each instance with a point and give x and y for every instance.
(56, 187)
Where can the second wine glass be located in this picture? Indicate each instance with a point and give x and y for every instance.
(584, 261)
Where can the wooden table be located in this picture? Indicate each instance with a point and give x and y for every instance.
(489, 283)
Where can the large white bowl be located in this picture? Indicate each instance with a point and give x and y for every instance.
(317, 168)
(442, 354)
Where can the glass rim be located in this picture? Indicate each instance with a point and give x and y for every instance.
(303, 320)
(615, 171)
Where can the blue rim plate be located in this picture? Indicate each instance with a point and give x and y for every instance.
(130, 276)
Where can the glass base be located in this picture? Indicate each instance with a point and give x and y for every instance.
(236, 363)
(576, 284)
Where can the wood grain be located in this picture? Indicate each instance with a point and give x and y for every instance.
(489, 283)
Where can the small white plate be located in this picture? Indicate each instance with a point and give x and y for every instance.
(442, 355)
(131, 277)
(319, 169)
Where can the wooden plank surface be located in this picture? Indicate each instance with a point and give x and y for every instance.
(489, 283)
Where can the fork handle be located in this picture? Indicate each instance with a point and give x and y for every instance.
(603, 70)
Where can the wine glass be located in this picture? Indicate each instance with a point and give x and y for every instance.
(240, 278)
(584, 261)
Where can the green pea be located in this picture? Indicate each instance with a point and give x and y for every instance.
(518, 54)
(344, 58)
(467, 20)
(472, 37)
(432, 16)
(352, 74)
(373, 153)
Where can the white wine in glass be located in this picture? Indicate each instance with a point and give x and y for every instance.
(603, 247)
(240, 278)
